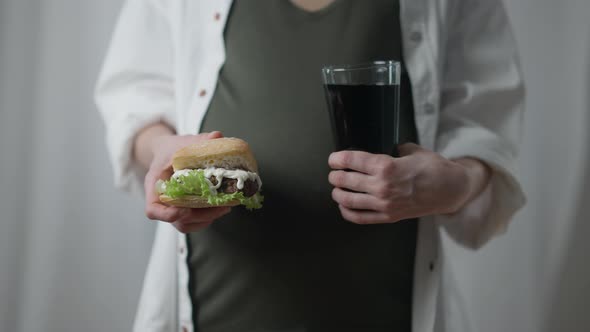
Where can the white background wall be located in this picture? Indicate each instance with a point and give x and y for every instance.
(537, 276)
(73, 249)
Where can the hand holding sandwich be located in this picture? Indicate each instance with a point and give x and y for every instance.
(153, 149)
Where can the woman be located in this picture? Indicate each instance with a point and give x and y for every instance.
(331, 249)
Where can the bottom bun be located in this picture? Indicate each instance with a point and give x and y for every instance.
(192, 201)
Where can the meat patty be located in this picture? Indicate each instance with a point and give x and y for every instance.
(230, 186)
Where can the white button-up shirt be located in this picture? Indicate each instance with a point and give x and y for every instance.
(163, 64)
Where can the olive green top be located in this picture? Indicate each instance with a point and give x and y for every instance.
(296, 264)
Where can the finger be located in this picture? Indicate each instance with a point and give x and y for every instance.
(355, 200)
(159, 211)
(152, 176)
(154, 208)
(407, 149)
(363, 217)
(191, 228)
(214, 134)
(360, 161)
(351, 180)
(204, 215)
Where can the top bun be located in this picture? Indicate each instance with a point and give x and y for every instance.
(227, 152)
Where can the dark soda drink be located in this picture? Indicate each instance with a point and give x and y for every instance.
(364, 117)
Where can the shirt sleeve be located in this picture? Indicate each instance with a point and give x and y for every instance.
(481, 116)
(135, 86)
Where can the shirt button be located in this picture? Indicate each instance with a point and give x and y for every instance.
(431, 266)
(203, 93)
(217, 16)
(416, 36)
(428, 108)
(181, 250)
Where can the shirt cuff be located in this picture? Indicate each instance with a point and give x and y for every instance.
(489, 213)
(128, 174)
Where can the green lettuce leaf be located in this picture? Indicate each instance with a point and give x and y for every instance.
(194, 183)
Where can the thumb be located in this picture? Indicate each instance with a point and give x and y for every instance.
(407, 149)
(214, 134)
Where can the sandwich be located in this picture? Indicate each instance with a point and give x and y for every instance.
(215, 172)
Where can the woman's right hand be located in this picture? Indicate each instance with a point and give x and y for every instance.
(160, 147)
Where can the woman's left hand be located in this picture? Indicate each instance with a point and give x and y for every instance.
(377, 188)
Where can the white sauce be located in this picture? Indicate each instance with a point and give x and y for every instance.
(220, 173)
(182, 172)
